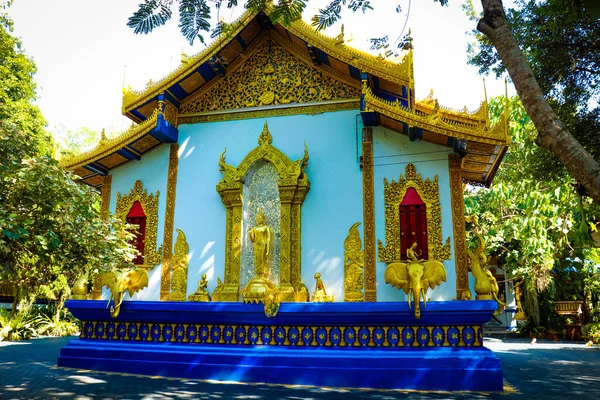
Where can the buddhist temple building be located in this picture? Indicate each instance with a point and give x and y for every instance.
(316, 134)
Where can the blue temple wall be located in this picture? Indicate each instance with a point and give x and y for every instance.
(391, 153)
(332, 205)
(152, 170)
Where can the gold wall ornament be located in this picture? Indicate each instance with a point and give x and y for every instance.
(369, 215)
(149, 203)
(293, 185)
(80, 288)
(165, 280)
(353, 266)
(201, 294)
(458, 225)
(486, 285)
(270, 76)
(415, 277)
(429, 192)
(320, 294)
(133, 280)
(179, 268)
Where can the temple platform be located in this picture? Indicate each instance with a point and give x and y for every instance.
(370, 345)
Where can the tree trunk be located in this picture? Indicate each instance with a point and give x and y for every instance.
(13, 310)
(552, 134)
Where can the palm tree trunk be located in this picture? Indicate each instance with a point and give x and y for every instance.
(552, 134)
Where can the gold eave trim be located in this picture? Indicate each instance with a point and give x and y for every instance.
(496, 135)
(270, 111)
(108, 147)
(400, 73)
(133, 99)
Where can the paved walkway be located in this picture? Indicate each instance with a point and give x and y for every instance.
(541, 371)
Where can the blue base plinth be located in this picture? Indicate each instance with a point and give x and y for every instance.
(371, 345)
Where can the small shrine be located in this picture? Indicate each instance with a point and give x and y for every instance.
(295, 205)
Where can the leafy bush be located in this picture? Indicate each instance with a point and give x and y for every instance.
(53, 326)
(591, 332)
(529, 329)
(22, 326)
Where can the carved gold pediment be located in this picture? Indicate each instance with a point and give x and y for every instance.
(270, 76)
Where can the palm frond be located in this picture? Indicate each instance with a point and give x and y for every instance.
(328, 16)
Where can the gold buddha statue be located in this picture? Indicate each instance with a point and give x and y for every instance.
(201, 294)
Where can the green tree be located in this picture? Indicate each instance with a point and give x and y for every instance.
(51, 232)
(553, 134)
(536, 225)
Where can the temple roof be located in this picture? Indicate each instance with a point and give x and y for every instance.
(254, 71)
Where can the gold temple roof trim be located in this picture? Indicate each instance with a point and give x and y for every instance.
(400, 73)
(133, 98)
(270, 111)
(108, 146)
(439, 122)
(428, 104)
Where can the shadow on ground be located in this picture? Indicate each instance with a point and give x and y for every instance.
(545, 370)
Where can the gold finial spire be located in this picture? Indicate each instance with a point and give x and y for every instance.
(484, 92)
(265, 136)
(124, 75)
(339, 39)
(103, 136)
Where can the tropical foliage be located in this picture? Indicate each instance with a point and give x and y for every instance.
(51, 232)
(536, 223)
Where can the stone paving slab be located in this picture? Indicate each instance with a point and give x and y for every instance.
(544, 370)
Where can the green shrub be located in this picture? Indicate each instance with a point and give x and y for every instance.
(22, 326)
(591, 332)
(53, 326)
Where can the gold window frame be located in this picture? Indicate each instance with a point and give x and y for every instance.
(149, 203)
(429, 192)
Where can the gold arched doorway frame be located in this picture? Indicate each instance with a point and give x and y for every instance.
(293, 185)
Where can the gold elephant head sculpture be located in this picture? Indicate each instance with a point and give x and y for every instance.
(132, 280)
(415, 278)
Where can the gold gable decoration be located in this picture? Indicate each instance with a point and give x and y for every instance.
(149, 204)
(271, 76)
(429, 192)
(293, 186)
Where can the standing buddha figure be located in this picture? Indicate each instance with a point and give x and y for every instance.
(260, 236)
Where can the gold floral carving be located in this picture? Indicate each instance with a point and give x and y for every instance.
(429, 192)
(105, 193)
(440, 121)
(149, 202)
(458, 223)
(276, 111)
(293, 186)
(369, 215)
(271, 76)
(353, 266)
(179, 268)
(165, 282)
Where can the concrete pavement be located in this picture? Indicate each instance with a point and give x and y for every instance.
(544, 370)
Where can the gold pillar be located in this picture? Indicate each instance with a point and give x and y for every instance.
(105, 196)
(105, 193)
(286, 195)
(369, 215)
(458, 224)
(165, 282)
(232, 200)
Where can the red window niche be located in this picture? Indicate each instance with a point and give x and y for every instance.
(137, 217)
(413, 224)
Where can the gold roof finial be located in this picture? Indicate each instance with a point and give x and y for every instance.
(484, 92)
(184, 57)
(265, 137)
(339, 39)
(124, 75)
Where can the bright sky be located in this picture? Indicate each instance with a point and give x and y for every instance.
(81, 48)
